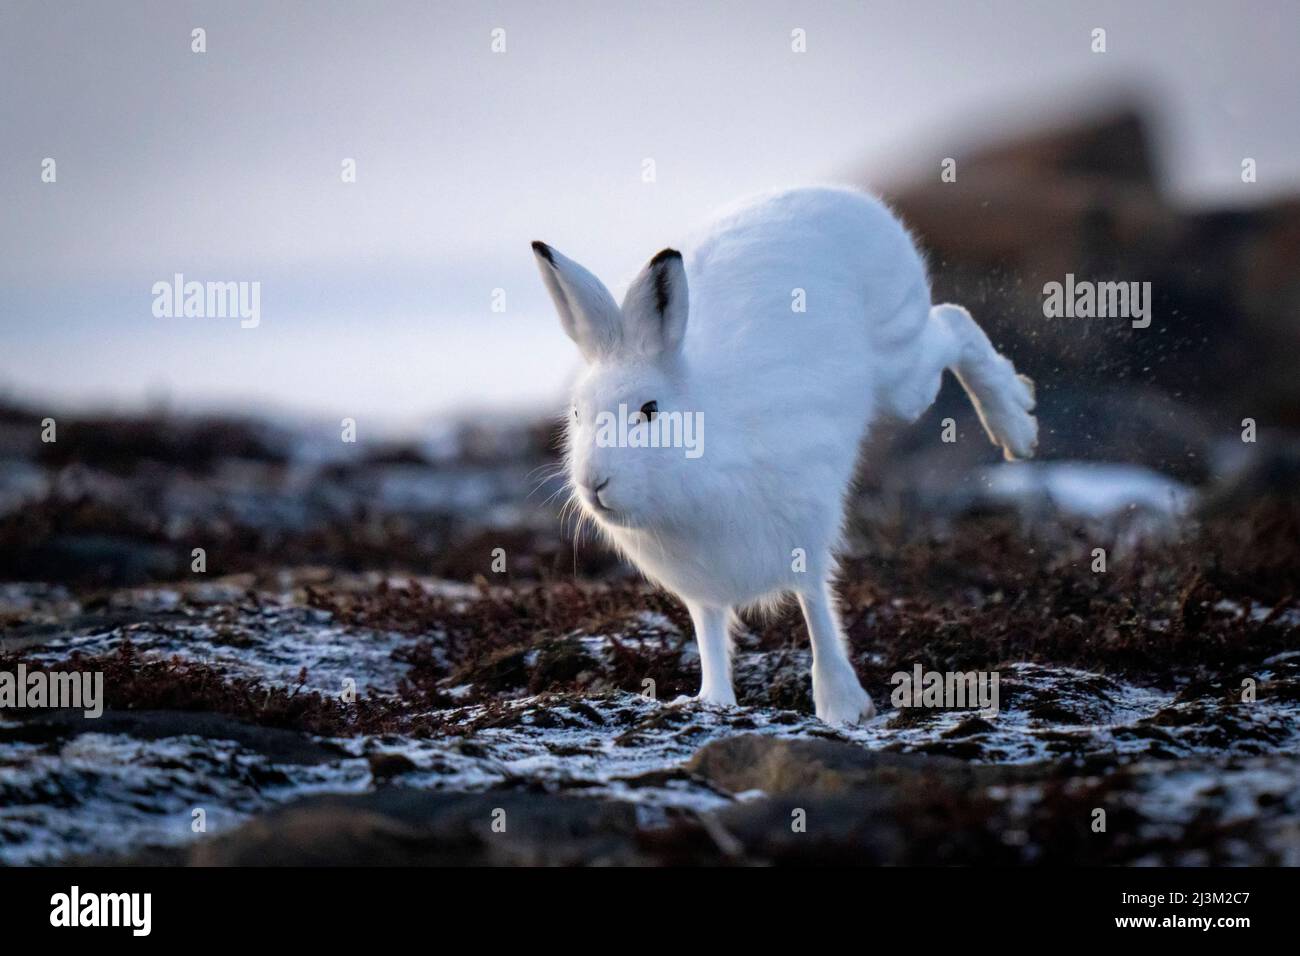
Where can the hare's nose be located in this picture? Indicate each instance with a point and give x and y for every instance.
(594, 488)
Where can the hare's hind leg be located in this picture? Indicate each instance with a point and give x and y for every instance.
(837, 693)
(715, 653)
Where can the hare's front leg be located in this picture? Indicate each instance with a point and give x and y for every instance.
(715, 653)
(837, 693)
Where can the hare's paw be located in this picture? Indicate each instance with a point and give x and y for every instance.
(846, 709)
(840, 699)
(716, 696)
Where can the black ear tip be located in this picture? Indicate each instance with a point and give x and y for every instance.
(543, 250)
(664, 255)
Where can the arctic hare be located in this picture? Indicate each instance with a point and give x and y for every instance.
(795, 321)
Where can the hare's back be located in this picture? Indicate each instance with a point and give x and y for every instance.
(806, 272)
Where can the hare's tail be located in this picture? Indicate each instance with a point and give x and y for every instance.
(1002, 399)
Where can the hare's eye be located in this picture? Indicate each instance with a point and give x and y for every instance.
(649, 410)
(575, 413)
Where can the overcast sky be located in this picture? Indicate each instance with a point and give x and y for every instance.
(376, 296)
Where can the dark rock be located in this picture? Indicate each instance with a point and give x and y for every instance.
(870, 828)
(778, 765)
(124, 444)
(970, 728)
(400, 827)
(104, 559)
(276, 744)
(833, 802)
(387, 766)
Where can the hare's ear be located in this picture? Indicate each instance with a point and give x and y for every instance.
(587, 310)
(654, 309)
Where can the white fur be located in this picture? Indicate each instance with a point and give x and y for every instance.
(786, 399)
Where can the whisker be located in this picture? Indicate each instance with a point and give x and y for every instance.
(553, 471)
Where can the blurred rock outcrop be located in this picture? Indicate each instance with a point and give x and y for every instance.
(1086, 201)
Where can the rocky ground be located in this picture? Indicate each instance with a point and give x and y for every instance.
(539, 698)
